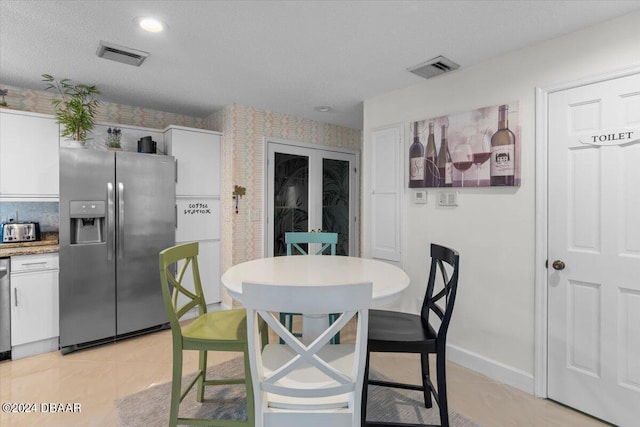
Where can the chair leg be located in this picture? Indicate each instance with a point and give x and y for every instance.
(176, 386)
(442, 387)
(287, 320)
(202, 364)
(424, 362)
(365, 390)
(251, 409)
(336, 338)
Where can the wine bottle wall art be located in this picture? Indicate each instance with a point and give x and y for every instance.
(478, 148)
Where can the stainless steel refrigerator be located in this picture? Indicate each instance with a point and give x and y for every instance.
(117, 212)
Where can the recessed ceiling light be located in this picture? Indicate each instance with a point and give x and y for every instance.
(323, 108)
(151, 24)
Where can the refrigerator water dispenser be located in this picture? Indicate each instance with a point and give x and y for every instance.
(87, 221)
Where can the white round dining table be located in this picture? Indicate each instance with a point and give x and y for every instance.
(305, 270)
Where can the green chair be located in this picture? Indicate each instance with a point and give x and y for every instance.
(293, 241)
(224, 330)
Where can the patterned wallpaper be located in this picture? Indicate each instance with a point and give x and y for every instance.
(39, 101)
(244, 129)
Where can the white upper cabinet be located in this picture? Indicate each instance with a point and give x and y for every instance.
(197, 154)
(28, 155)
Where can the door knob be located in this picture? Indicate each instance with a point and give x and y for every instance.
(558, 265)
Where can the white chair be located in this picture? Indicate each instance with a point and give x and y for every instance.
(315, 385)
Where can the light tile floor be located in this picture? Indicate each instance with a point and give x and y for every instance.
(96, 377)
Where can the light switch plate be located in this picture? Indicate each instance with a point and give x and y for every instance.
(448, 198)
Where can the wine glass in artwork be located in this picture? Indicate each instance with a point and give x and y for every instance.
(462, 158)
(481, 145)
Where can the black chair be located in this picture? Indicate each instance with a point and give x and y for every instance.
(397, 332)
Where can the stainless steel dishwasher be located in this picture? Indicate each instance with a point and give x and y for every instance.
(5, 309)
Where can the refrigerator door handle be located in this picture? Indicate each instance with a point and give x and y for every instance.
(111, 214)
(120, 220)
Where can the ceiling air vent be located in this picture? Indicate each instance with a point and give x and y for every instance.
(118, 53)
(434, 67)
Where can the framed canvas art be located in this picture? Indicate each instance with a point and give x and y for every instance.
(479, 148)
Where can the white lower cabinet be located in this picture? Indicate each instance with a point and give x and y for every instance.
(209, 268)
(34, 305)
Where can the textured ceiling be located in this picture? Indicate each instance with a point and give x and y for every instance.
(285, 56)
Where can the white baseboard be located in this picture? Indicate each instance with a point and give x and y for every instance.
(495, 370)
(34, 348)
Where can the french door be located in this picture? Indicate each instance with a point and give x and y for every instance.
(311, 188)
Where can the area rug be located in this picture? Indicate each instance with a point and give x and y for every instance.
(150, 407)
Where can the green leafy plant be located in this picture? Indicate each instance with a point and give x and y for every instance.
(76, 107)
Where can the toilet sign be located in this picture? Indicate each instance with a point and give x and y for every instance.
(617, 137)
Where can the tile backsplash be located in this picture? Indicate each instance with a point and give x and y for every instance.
(46, 213)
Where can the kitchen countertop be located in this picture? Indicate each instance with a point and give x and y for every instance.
(48, 244)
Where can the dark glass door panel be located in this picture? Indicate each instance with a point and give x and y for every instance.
(335, 201)
(291, 198)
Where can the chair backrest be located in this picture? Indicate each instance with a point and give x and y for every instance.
(295, 239)
(177, 293)
(444, 271)
(300, 377)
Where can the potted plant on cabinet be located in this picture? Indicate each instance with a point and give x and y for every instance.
(75, 108)
(113, 139)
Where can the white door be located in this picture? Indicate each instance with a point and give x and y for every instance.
(308, 189)
(387, 180)
(594, 233)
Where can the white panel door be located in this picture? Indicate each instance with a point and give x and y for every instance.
(386, 193)
(594, 249)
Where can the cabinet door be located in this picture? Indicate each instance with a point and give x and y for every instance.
(34, 306)
(209, 267)
(28, 155)
(198, 218)
(198, 158)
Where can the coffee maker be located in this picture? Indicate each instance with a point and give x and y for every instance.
(146, 145)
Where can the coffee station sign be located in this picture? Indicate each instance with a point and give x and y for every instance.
(197, 218)
(197, 209)
(617, 137)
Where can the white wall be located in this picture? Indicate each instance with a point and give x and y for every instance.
(492, 228)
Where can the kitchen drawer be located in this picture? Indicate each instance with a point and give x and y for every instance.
(34, 262)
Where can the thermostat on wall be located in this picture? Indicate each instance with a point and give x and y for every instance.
(420, 197)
